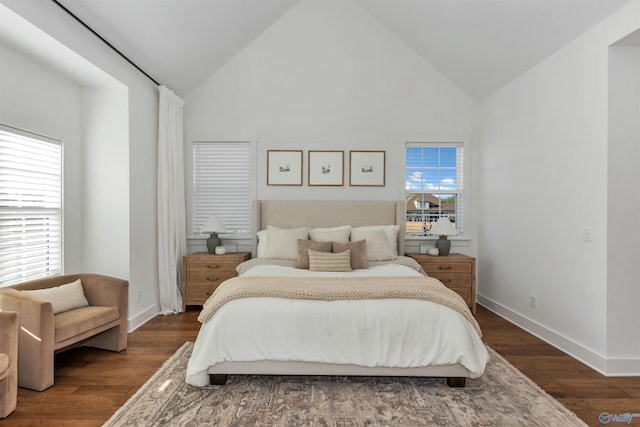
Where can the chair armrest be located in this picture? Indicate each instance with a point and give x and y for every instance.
(9, 334)
(105, 291)
(35, 315)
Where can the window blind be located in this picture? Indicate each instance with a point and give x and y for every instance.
(30, 206)
(434, 187)
(222, 184)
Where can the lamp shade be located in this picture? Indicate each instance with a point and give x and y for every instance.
(213, 224)
(443, 227)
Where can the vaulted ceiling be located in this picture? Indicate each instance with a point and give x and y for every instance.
(480, 45)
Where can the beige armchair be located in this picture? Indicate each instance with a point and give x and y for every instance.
(8, 362)
(101, 324)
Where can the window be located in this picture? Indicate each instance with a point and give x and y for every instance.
(434, 184)
(30, 206)
(222, 179)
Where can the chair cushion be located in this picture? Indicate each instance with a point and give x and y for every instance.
(75, 322)
(4, 364)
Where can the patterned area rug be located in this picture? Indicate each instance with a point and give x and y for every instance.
(502, 397)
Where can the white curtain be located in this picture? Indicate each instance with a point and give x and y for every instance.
(172, 241)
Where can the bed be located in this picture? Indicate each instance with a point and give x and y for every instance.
(280, 318)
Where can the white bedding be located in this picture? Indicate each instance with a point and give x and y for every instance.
(400, 333)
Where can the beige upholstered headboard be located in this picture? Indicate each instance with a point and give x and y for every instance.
(304, 213)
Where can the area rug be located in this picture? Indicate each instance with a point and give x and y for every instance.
(503, 396)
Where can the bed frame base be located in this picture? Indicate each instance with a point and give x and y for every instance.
(456, 381)
(218, 379)
(221, 379)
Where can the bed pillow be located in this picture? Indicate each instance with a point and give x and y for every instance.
(358, 252)
(282, 243)
(328, 261)
(390, 231)
(332, 234)
(377, 246)
(303, 251)
(262, 243)
(64, 297)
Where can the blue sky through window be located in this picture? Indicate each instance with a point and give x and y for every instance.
(430, 169)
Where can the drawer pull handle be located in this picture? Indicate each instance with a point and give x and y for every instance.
(445, 280)
(212, 265)
(212, 279)
(445, 267)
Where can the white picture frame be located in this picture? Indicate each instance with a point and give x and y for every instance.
(284, 167)
(326, 168)
(367, 168)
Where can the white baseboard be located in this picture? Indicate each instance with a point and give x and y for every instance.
(623, 367)
(142, 318)
(573, 349)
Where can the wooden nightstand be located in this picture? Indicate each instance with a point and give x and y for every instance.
(203, 272)
(456, 271)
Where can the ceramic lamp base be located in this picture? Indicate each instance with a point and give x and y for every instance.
(444, 245)
(213, 242)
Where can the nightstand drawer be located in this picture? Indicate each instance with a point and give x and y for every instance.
(211, 276)
(213, 265)
(447, 267)
(454, 280)
(201, 292)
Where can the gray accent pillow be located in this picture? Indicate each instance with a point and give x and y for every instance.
(358, 252)
(303, 251)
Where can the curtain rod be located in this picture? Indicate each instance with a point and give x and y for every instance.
(104, 40)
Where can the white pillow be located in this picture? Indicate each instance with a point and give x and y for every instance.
(391, 231)
(64, 297)
(262, 243)
(377, 246)
(331, 234)
(283, 243)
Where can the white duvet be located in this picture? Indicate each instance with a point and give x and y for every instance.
(400, 333)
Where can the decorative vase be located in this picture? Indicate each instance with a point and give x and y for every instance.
(444, 245)
(213, 242)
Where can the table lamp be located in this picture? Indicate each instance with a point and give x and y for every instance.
(443, 228)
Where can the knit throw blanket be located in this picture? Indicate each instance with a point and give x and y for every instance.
(336, 288)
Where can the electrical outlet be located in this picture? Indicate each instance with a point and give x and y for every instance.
(587, 233)
(533, 301)
(138, 294)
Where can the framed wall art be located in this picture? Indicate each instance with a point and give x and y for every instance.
(367, 168)
(326, 167)
(284, 167)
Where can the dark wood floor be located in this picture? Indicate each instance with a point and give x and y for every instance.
(90, 385)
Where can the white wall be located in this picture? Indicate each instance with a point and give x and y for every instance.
(542, 176)
(36, 99)
(142, 99)
(328, 76)
(105, 193)
(623, 200)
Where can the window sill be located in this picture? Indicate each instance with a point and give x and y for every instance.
(462, 238)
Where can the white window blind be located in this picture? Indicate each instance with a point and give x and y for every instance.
(434, 185)
(222, 184)
(30, 206)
